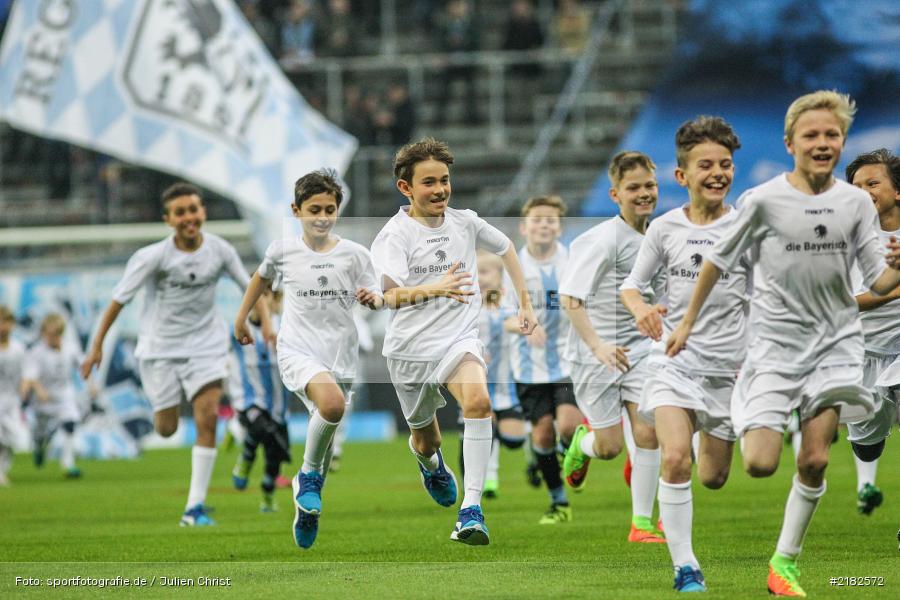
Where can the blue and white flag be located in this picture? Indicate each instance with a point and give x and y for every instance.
(183, 86)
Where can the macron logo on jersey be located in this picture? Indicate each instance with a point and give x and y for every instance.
(322, 266)
(437, 240)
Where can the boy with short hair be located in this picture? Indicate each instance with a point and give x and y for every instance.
(261, 404)
(605, 347)
(805, 229)
(183, 342)
(48, 374)
(692, 392)
(323, 276)
(539, 367)
(877, 173)
(426, 256)
(12, 390)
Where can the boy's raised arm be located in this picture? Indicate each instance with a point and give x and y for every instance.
(252, 296)
(95, 353)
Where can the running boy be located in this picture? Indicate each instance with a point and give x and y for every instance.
(805, 229)
(323, 276)
(48, 374)
(12, 390)
(877, 173)
(605, 347)
(693, 390)
(426, 256)
(183, 343)
(539, 368)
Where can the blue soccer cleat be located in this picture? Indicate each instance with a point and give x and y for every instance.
(689, 579)
(241, 473)
(196, 516)
(307, 507)
(470, 528)
(441, 484)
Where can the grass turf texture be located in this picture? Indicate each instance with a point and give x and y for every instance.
(381, 536)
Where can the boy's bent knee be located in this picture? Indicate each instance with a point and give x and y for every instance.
(760, 469)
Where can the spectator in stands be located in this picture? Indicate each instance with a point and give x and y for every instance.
(298, 34)
(264, 28)
(340, 36)
(572, 25)
(357, 119)
(404, 112)
(457, 34)
(523, 32)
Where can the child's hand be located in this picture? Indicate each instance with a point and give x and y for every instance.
(369, 299)
(451, 284)
(893, 256)
(242, 333)
(527, 320)
(649, 320)
(90, 361)
(538, 337)
(612, 356)
(678, 340)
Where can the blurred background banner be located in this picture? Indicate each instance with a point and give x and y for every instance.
(746, 62)
(183, 86)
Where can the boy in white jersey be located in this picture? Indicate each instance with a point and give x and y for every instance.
(493, 321)
(539, 367)
(183, 342)
(878, 173)
(426, 255)
(261, 404)
(323, 277)
(693, 390)
(12, 390)
(48, 373)
(805, 350)
(607, 351)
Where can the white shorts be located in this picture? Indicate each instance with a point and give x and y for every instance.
(880, 374)
(766, 398)
(708, 396)
(418, 383)
(298, 369)
(10, 427)
(601, 393)
(167, 380)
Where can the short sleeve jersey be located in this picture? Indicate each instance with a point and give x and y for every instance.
(882, 335)
(497, 340)
(179, 317)
(803, 313)
(548, 363)
(12, 360)
(319, 296)
(53, 369)
(410, 254)
(599, 261)
(719, 337)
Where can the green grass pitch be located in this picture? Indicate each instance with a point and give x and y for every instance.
(381, 536)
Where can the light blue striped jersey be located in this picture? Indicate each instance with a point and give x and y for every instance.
(497, 342)
(253, 377)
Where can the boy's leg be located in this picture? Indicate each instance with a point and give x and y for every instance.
(205, 404)
(645, 468)
(270, 474)
(761, 450)
(714, 460)
(245, 460)
(67, 450)
(543, 439)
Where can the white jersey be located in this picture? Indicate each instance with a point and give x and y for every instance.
(319, 296)
(882, 335)
(546, 364)
(179, 318)
(496, 340)
(54, 370)
(803, 314)
(411, 254)
(599, 261)
(719, 337)
(12, 362)
(253, 377)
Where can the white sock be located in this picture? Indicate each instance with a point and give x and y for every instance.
(202, 462)
(587, 445)
(628, 435)
(644, 476)
(476, 455)
(67, 451)
(493, 468)
(865, 472)
(798, 512)
(695, 446)
(676, 509)
(796, 441)
(318, 438)
(429, 463)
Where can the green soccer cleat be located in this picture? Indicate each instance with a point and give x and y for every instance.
(268, 504)
(868, 499)
(491, 487)
(576, 462)
(784, 577)
(557, 513)
(241, 473)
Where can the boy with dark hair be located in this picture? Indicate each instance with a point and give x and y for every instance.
(323, 276)
(426, 255)
(692, 392)
(877, 173)
(183, 342)
(805, 229)
(606, 350)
